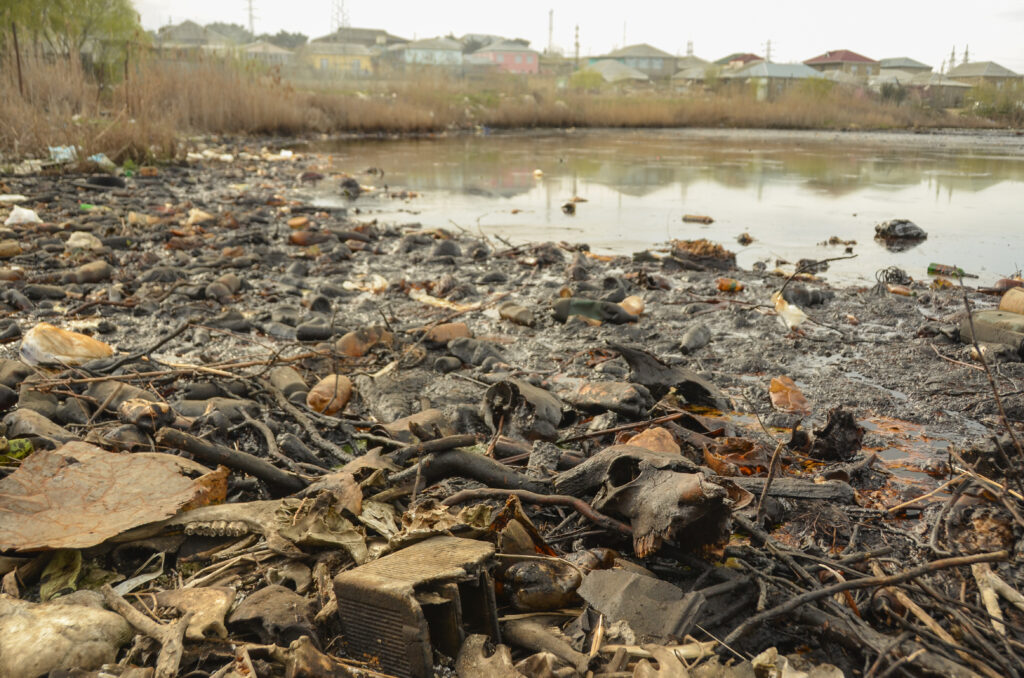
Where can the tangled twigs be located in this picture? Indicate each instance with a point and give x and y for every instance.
(866, 582)
(170, 636)
(578, 505)
(305, 423)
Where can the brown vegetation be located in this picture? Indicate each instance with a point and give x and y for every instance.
(148, 113)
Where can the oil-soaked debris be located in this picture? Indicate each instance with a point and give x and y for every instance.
(246, 435)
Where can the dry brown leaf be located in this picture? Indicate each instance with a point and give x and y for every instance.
(656, 439)
(211, 488)
(786, 397)
(736, 457)
(79, 495)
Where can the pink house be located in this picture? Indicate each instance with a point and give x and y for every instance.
(507, 57)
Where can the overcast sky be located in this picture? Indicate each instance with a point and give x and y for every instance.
(926, 31)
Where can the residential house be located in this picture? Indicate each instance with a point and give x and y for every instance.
(695, 75)
(612, 71)
(367, 37)
(769, 80)
(846, 61)
(738, 60)
(977, 73)
(188, 36)
(905, 64)
(689, 61)
(507, 57)
(430, 52)
(939, 90)
(648, 60)
(266, 53)
(337, 58)
(477, 40)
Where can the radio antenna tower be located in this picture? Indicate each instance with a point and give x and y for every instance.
(252, 19)
(339, 15)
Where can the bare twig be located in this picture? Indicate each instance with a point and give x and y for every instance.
(580, 506)
(866, 582)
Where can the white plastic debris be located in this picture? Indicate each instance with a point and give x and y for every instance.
(63, 154)
(103, 162)
(791, 315)
(12, 197)
(80, 240)
(21, 215)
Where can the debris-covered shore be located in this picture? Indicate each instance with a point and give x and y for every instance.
(247, 436)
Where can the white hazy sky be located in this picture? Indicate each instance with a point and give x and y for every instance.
(798, 30)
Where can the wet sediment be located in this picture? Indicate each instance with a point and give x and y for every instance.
(277, 401)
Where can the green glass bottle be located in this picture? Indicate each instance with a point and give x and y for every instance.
(943, 269)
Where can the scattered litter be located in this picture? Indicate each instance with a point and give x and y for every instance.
(20, 216)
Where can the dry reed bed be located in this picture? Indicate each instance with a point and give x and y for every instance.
(148, 115)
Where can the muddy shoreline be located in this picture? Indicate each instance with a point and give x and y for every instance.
(220, 273)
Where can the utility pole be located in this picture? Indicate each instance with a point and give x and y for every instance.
(577, 46)
(952, 58)
(17, 57)
(966, 49)
(551, 31)
(689, 48)
(252, 20)
(339, 15)
(768, 51)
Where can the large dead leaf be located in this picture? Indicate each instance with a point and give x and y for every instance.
(79, 495)
(737, 457)
(786, 397)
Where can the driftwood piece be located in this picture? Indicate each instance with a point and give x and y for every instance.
(404, 454)
(454, 463)
(798, 488)
(236, 459)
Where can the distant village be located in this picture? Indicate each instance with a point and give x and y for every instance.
(366, 53)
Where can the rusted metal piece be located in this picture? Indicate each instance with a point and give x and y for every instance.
(398, 608)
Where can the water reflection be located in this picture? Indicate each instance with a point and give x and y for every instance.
(789, 190)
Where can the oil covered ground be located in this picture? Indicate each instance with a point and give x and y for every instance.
(226, 296)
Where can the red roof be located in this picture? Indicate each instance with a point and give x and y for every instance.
(840, 56)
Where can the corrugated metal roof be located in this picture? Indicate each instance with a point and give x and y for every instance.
(744, 57)
(689, 61)
(263, 47)
(936, 80)
(615, 71)
(505, 47)
(642, 50)
(902, 62)
(840, 56)
(697, 73)
(345, 48)
(767, 69)
(360, 35)
(981, 69)
(434, 43)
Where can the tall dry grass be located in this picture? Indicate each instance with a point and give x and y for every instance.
(148, 114)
